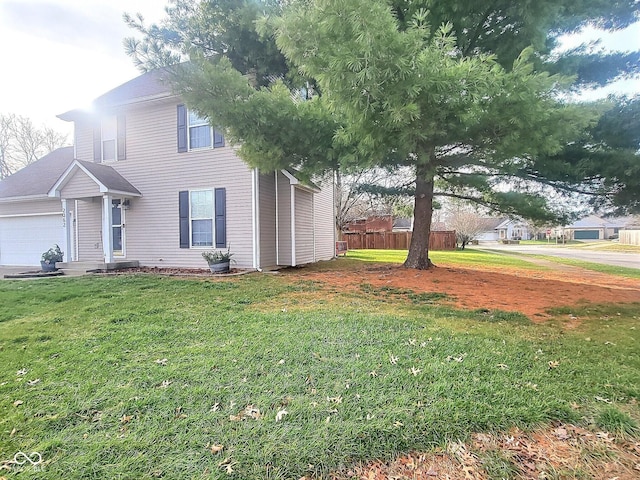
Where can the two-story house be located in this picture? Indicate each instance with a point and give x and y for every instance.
(147, 180)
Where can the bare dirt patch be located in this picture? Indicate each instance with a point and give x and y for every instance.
(531, 293)
(562, 451)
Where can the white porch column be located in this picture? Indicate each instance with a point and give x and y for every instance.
(66, 231)
(107, 223)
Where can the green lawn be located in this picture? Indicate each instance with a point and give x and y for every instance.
(469, 256)
(136, 377)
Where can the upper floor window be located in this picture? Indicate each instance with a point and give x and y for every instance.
(199, 132)
(109, 140)
(194, 132)
(109, 136)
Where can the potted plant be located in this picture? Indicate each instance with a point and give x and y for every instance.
(50, 257)
(218, 260)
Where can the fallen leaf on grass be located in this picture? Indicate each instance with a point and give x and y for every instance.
(553, 364)
(31, 383)
(415, 371)
(13, 432)
(165, 383)
(162, 361)
(227, 465)
(17, 403)
(215, 449)
(22, 371)
(393, 359)
(126, 418)
(280, 415)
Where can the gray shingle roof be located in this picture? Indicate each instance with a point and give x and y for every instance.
(147, 86)
(109, 177)
(37, 178)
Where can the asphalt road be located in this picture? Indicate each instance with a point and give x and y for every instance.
(618, 259)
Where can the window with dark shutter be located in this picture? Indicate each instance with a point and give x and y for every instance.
(121, 137)
(182, 129)
(97, 143)
(221, 220)
(183, 200)
(218, 139)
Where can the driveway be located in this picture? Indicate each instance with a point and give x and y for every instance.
(617, 259)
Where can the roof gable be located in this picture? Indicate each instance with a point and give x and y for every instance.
(107, 179)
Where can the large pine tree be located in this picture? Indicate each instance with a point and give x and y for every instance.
(467, 93)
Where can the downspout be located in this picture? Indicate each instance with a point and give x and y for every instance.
(313, 220)
(293, 226)
(277, 223)
(256, 218)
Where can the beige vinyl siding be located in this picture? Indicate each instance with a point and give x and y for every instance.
(284, 219)
(80, 186)
(29, 207)
(323, 204)
(84, 141)
(304, 226)
(89, 227)
(267, 209)
(155, 168)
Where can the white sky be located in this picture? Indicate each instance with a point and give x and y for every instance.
(58, 55)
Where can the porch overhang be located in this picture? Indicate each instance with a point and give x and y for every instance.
(296, 182)
(106, 179)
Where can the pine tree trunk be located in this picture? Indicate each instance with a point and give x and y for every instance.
(423, 210)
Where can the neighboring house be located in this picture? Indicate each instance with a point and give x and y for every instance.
(373, 223)
(512, 229)
(147, 180)
(491, 234)
(597, 228)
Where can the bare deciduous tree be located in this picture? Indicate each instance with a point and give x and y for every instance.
(466, 221)
(22, 143)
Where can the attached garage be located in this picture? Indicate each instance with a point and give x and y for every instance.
(24, 238)
(30, 220)
(586, 234)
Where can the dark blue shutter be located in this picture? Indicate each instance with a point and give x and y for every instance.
(218, 139)
(182, 129)
(183, 200)
(122, 142)
(221, 217)
(97, 143)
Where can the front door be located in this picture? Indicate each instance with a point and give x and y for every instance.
(117, 227)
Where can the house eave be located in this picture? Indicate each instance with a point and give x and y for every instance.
(25, 198)
(73, 115)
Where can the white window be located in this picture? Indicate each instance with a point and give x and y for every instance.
(199, 132)
(109, 138)
(201, 216)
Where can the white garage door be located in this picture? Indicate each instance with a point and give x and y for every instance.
(23, 239)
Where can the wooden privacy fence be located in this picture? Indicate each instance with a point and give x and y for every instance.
(440, 240)
(630, 237)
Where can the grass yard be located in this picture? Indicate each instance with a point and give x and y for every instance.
(137, 377)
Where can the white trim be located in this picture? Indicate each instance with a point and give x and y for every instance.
(277, 222)
(76, 231)
(107, 225)
(40, 196)
(66, 232)
(123, 253)
(313, 222)
(294, 181)
(293, 225)
(30, 214)
(255, 213)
